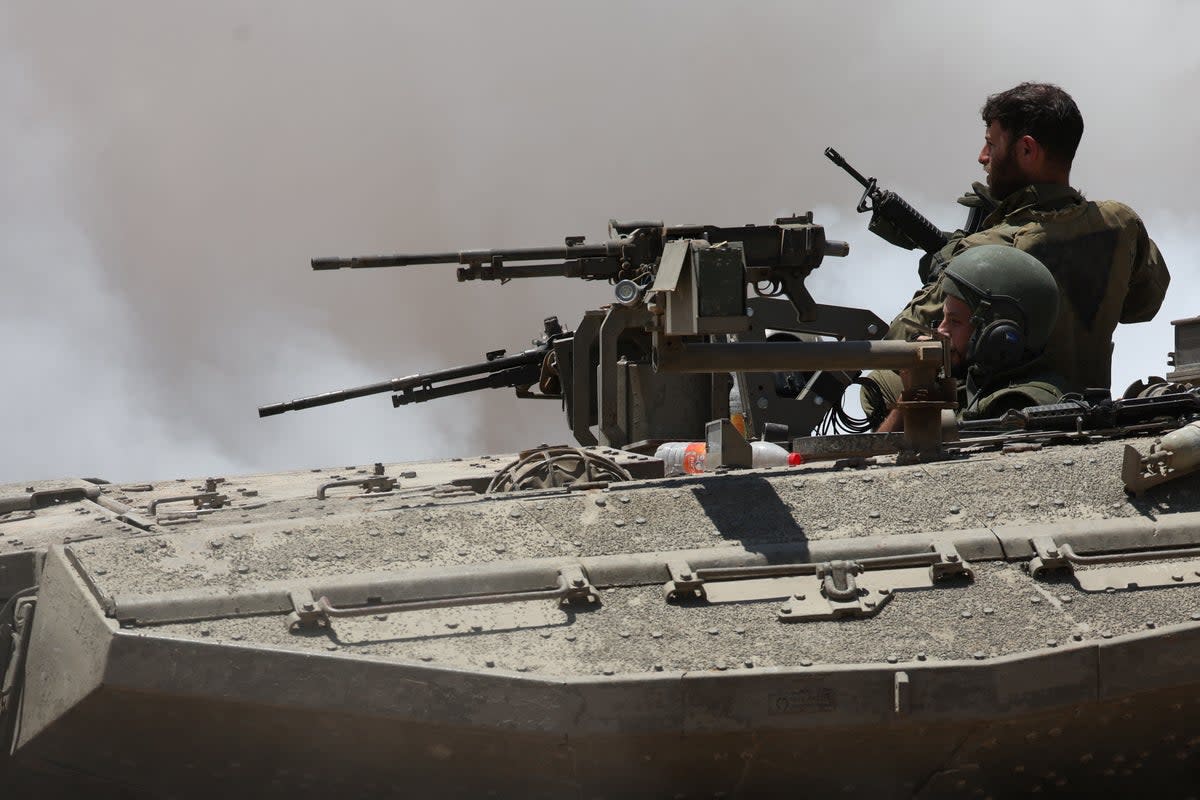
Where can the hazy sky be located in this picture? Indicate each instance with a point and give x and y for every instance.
(171, 167)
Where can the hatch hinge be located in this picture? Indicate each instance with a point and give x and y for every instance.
(819, 590)
(1051, 557)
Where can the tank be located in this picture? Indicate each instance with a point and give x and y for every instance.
(957, 611)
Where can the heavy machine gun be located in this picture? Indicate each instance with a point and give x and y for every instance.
(783, 253)
(497, 371)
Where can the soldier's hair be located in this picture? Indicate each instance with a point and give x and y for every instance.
(1041, 110)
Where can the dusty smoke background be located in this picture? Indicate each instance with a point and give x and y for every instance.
(171, 167)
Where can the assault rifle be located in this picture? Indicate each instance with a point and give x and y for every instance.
(497, 371)
(892, 218)
(1077, 415)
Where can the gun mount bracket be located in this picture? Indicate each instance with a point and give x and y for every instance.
(1140, 473)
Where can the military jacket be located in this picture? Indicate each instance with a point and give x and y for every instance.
(1030, 385)
(1108, 271)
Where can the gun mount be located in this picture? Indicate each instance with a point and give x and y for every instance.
(657, 364)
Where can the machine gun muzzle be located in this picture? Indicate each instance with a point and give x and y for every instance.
(498, 371)
(501, 371)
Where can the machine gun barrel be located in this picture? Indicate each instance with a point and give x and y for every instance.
(515, 370)
(523, 374)
(599, 250)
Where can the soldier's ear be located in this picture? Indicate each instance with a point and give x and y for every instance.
(1027, 149)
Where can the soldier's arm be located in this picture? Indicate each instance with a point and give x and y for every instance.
(1147, 282)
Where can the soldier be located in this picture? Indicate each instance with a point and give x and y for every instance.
(1000, 307)
(1107, 268)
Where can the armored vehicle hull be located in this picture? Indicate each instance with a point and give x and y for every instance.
(932, 630)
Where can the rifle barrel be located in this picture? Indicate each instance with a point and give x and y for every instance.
(837, 159)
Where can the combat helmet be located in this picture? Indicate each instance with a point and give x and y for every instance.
(1013, 300)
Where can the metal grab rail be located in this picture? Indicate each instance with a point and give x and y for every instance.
(571, 586)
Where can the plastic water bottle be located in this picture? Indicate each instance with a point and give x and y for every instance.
(768, 454)
(687, 458)
(680, 458)
(737, 412)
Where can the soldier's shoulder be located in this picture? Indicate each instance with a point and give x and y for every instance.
(1114, 210)
(1002, 233)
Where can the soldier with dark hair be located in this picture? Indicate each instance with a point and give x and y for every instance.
(1107, 268)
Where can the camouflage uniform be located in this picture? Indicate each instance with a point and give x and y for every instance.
(1108, 271)
(1030, 386)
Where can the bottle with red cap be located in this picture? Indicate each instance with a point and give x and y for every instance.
(769, 454)
(687, 458)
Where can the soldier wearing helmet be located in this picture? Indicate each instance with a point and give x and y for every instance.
(1107, 268)
(1000, 308)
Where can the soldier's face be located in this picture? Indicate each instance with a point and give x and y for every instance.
(956, 328)
(1004, 175)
